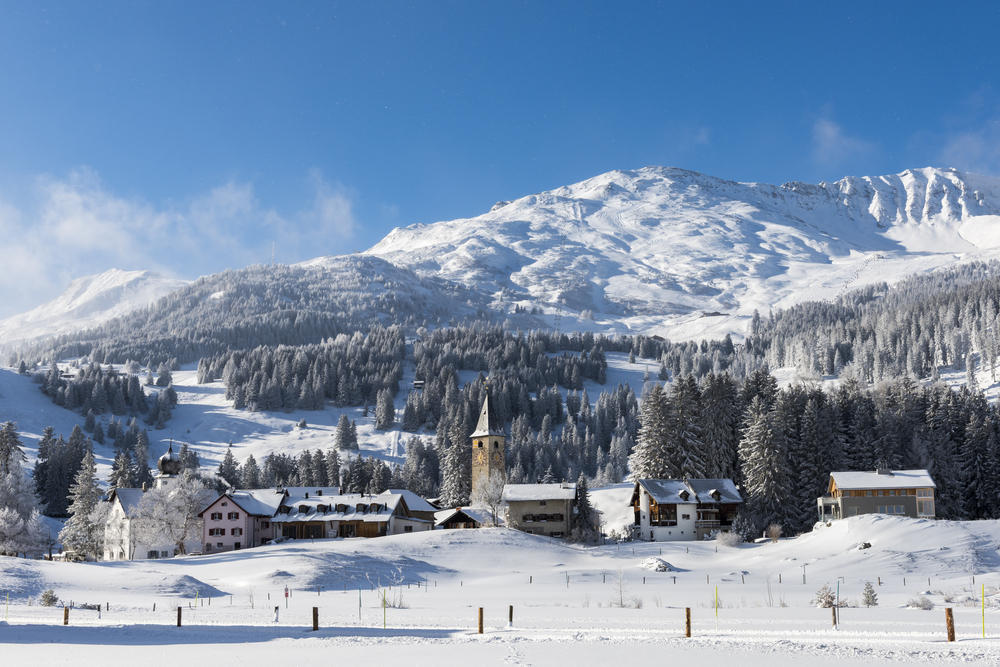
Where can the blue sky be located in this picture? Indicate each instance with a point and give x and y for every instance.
(186, 137)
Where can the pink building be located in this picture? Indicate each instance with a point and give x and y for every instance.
(240, 519)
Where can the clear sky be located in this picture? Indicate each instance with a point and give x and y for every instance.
(187, 136)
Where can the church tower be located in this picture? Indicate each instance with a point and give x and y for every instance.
(487, 448)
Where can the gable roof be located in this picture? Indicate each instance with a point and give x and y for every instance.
(129, 499)
(523, 492)
(388, 506)
(413, 502)
(894, 479)
(481, 516)
(702, 491)
(255, 502)
(488, 423)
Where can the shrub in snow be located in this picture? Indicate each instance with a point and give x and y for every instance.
(729, 538)
(868, 596)
(864, 545)
(920, 603)
(773, 532)
(825, 597)
(49, 599)
(655, 564)
(302, 423)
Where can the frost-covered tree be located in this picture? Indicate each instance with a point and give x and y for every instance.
(10, 447)
(586, 523)
(169, 514)
(763, 463)
(385, 412)
(489, 495)
(250, 475)
(456, 482)
(21, 529)
(652, 456)
(81, 534)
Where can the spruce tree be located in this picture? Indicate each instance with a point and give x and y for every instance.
(227, 470)
(651, 457)
(81, 533)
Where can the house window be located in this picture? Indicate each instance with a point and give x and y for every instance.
(163, 554)
(265, 524)
(208, 546)
(407, 529)
(555, 517)
(686, 517)
(925, 507)
(542, 502)
(152, 554)
(216, 516)
(236, 531)
(225, 504)
(218, 544)
(232, 516)
(925, 493)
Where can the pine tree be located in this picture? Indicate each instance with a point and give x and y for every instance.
(250, 475)
(762, 465)
(81, 533)
(333, 467)
(651, 457)
(122, 471)
(342, 436)
(385, 412)
(10, 447)
(868, 597)
(456, 482)
(228, 470)
(585, 521)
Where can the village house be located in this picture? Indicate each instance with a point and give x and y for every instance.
(540, 509)
(347, 515)
(121, 535)
(239, 519)
(691, 509)
(464, 517)
(883, 491)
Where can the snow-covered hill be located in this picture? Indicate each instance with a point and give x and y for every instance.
(87, 302)
(666, 250)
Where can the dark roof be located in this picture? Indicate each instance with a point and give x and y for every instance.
(488, 423)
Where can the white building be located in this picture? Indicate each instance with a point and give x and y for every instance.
(691, 509)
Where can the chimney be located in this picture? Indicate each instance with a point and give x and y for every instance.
(883, 470)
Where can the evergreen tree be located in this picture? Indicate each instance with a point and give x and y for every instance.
(385, 412)
(762, 464)
(10, 447)
(250, 474)
(122, 471)
(585, 520)
(82, 534)
(228, 470)
(651, 457)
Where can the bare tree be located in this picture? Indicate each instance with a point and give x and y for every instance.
(489, 495)
(170, 514)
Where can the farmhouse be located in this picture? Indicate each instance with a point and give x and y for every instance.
(540, 509)
(347, 515)
(464, 517)
(239, 519)
(902, 492)
(690, 509)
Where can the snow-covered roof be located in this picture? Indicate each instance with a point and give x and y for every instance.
(893, 479)
(697, 490)
(258, 502)
(668, 490)
(414, 502)
(129, 498)
(301, 491)
(522, 492)
(481, 516)
(325, 508)
(708, 489)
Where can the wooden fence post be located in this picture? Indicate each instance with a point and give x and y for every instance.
(178, 617)
(480, 620)
(510, 616)
(65, 615)
(687, 621)
(950, 622)
(834, 610)
(315, 619)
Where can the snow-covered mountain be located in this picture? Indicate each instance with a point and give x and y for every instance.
(667, 250)
(87, 302)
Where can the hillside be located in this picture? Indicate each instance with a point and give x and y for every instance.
(570, 603)
(684, 254)
(88, 302)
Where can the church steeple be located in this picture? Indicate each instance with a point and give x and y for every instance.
(488, 423)
(487, 448)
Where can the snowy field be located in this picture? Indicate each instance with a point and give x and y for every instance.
(584, 605)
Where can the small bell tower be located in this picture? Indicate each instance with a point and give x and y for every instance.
(488, 442)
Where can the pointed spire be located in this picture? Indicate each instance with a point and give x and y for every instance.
(488, 423)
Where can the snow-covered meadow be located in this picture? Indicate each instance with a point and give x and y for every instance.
(586, 605)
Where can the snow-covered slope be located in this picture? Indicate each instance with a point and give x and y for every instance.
(666, 250)
(89, 301)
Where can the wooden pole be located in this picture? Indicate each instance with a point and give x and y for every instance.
(65, 615)
(315, 619)
(510, 616)
(687, 621)
(178, 617)
(834, 610)
(949, 620)
(480, 620)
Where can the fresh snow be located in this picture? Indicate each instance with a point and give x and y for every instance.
(571, 604)
(87, 302)
(683, 254)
